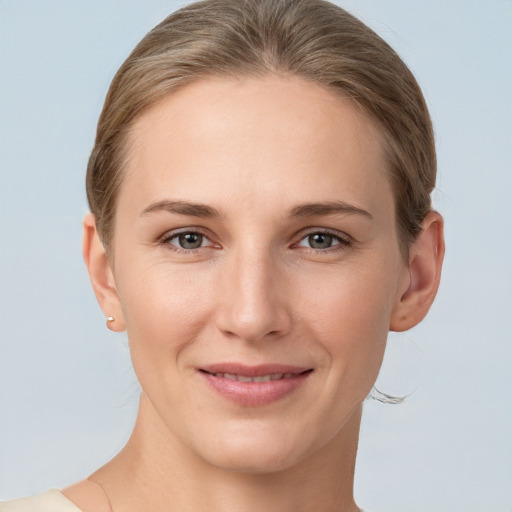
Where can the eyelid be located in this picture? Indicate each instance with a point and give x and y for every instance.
(344, 238)
(173, 233)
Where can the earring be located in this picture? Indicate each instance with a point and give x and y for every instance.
(109, 319)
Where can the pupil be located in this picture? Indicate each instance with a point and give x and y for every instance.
(320, 241)
(191, 240)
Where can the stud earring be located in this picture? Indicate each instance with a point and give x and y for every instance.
(110, 319)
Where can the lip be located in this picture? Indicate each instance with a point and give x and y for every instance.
(252, 394)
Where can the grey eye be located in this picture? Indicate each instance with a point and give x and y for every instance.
(189, 240)
(320, 240)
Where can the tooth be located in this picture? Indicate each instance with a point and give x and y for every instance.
(263, 378)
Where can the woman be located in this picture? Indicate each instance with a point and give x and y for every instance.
(260, 219)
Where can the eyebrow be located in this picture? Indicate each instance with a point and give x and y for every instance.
(301, 210)
(327, 208)
(182, 208)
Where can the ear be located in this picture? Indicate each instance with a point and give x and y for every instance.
(424, 273)
(101, 275)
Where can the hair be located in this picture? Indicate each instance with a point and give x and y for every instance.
(311, 39)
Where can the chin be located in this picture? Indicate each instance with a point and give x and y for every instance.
(256, 450)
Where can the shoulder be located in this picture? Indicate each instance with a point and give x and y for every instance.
(48, 501)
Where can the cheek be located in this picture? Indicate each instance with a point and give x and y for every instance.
(165, 309)
(349, 316)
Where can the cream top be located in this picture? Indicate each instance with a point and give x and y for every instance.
(48, 501)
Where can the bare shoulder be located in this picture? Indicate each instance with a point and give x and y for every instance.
(88, 495)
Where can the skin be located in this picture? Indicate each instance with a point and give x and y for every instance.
(258, 290)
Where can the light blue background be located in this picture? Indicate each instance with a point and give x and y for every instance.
(67, 392)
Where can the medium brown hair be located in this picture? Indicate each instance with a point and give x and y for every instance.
(311, 39)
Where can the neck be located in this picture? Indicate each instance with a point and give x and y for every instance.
(155, 472)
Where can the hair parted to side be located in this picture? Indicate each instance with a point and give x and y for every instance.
(311, 39)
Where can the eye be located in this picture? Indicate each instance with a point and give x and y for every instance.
(187, 240)
(322, 240)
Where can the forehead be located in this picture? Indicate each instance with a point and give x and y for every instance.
(281, 138)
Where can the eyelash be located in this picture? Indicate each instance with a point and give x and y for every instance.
(342, 241)
(166, 241)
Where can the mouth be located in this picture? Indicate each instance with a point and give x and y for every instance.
(254, 385)
(261, 378)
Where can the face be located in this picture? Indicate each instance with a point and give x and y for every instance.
(257, 266)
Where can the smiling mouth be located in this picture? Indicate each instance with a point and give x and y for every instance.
(253, 386)
(260, 378)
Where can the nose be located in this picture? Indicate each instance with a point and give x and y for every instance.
(252, 302)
